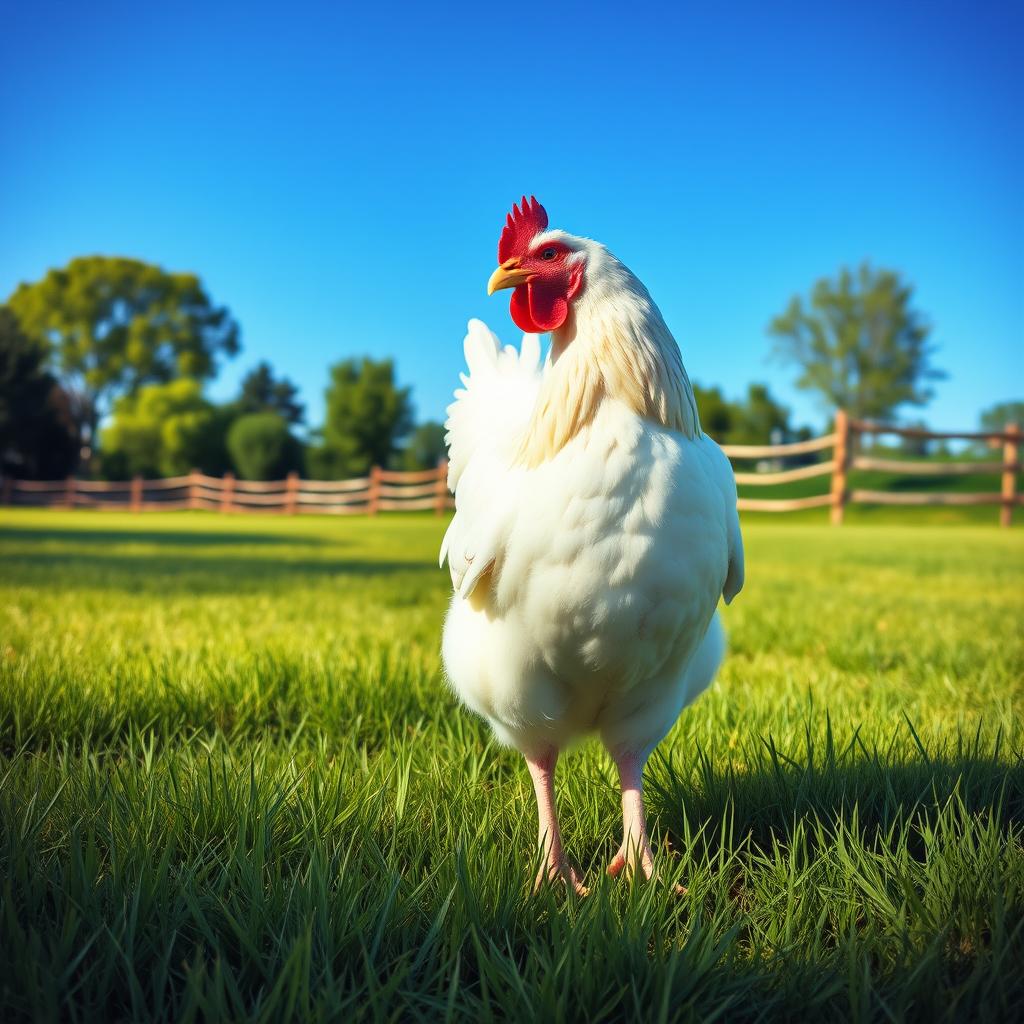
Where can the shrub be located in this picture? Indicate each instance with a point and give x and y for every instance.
(164, 430)
(262, 447)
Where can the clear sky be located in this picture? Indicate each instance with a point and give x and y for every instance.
(338, 174)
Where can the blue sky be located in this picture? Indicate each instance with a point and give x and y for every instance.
(339, 175)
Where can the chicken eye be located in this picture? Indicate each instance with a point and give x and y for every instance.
(548, 254)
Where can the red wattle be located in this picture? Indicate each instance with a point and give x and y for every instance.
(538, 307)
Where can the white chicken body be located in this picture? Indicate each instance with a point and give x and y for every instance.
(595, 526)
(609, 575)
(586, 577)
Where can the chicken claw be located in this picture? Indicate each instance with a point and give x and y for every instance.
(636, 857)
(560, 869)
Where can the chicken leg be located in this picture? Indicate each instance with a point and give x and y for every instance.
(549, 838)
(635, 853)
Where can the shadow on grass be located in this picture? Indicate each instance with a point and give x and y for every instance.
(181, 573)
(892, 819)
(176, 538)
(767, 795)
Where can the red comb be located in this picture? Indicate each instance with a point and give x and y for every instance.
(520, 227)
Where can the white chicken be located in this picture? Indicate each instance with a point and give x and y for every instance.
(595, 525)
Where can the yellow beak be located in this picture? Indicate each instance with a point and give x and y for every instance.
(508, 275)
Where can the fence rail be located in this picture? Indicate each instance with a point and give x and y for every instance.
(382, 490)
(844, 444)
(385, 490)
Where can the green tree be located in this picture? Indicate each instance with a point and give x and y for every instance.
(754, 420)
(1002, 414)
(37, 433)
(165, 430)
(116, 324)
(262, 447)
(367, 417)
(261, 391)
(859, 342)
(914, 447)
(425, 448)
(717, 414)
(759, 417)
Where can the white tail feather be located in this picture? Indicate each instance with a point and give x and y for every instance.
(485, 422)
(496, 398)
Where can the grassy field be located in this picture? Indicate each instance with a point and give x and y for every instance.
(233, 785)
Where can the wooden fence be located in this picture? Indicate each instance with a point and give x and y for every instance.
(843, 446)
(382, 491)
(387, 490)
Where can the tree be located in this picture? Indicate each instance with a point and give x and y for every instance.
(1002, 414)
(860, 343)
(753, 420)
(997, 418)
(717, 413)
(916, 447)
(262, 448)
(759, 418)
(426, 447)
(116, 324)
(367, 417)
(261, 392)
(37, 434)
(165, 430)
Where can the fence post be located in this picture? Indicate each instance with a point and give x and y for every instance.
(373, 494)
(1011, 452)
(136, 505)
(226, 491)
(291, 494)
(193, 489)
(441, 495)
(69, 492)
(841, 457)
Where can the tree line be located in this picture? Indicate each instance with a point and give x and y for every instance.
(103, 369)
(104, 365)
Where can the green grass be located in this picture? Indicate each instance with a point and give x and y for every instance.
(233, 785)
